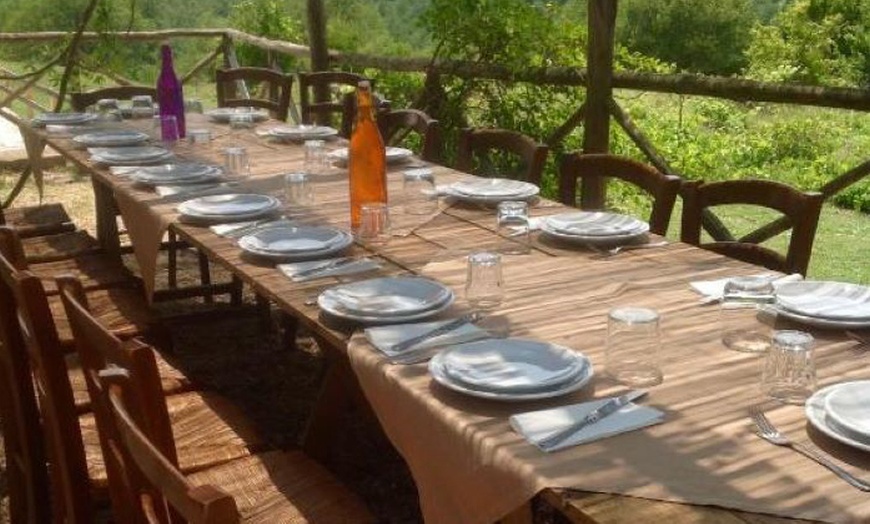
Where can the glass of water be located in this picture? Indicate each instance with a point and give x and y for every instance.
(633, 344)
(789, 368)
(484, 282)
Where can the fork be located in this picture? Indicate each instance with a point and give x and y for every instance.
(627, 247)
(768, 432)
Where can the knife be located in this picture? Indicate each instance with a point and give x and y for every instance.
(324, 267)
(440, 330)
(611, 406)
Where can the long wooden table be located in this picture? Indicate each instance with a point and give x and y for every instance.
(560, 294)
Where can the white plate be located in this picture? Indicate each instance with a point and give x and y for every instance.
(596, 224)
(178, 174)
(816, 414)
(222, 114)
(393, 155)
(292, 239)
(512, 365)
(64, 118)
(229, 205)
(436, 369)
(828, 300)
(818, 321)
(303, 132)
(112, 138)
(492, 190)
(327, 303)
(389, 296)
(129, 153)
(848, 405)
(290, 256)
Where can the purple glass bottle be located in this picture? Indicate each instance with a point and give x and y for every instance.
(169, 94)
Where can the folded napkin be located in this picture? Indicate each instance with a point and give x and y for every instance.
(385, 337)
(535, 426)
(713, 289)
(185, 189)
(359, 265)
(240, 229)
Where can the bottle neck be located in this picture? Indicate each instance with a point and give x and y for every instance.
(166, 52)
(364, 105)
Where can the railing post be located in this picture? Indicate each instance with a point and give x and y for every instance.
(318, 45)
(599, 91)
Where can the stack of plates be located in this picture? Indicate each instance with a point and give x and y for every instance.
(840, 411)
(69, 119)
(825, 304)
(228, 208)
(303, 132)
(176, 174)
(492, 190)
(111, 138)
(511, 369)
(287, 242)
(222, 114)
(129, 156)
(394, 155)
(388, 300)
(594, 227)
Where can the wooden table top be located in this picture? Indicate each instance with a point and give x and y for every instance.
(457, 230)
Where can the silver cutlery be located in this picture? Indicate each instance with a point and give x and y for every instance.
(628, 247)
(608, 408)
(440, 330)
(332, 264)
(768, 432)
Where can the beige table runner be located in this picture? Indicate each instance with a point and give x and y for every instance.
(470, 467)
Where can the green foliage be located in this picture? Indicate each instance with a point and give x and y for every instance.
(696, 35)
(267, 18)
(814, 42)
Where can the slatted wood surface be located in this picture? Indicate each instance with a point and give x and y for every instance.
(545, 300)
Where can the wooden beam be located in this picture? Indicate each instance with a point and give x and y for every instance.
(565, 129)
(599, 91)
(202, 64)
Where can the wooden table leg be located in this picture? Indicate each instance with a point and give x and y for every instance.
(106, 218)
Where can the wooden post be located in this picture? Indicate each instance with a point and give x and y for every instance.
(318, 46)
(599, 90)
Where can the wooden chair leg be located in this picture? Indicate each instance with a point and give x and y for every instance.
(205, 278)
(236, 293)
(172, 261)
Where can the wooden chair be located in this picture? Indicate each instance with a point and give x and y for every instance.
(137, 439)
(662, 188)
(323, 113)
(34, 221)
(397, 124)
(801, 209)
(277, 84)
(82, 100)
(501, 152)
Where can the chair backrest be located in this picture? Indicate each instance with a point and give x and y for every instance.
(662, 188)
(83, 100)
(477, 148)
(135, 431)
(26, 471)
(801, 209)
(397, 124)
(156, 490)
(276, 100)
(68, 471)
(322, 112)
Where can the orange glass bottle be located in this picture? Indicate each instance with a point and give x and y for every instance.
(367, 158)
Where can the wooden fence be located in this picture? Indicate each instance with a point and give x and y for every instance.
(595, 114)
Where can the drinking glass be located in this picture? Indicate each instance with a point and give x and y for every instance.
(789, 368)
(108, 109)
(316, 161)
(374, 225)
(512, 225)
(193, 106)
(240, 120)
(168, 130)
(143, 106)
(199, 137)
(418, 190)
(484, 283)
(236, 161)
(298, 190)
(738, 313)
(633, 343)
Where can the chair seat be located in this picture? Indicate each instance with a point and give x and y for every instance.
(122, 310)
(94, 271)
(61, 246)
(208, 431)
(45, 219)
(286, 487)
(172, 380)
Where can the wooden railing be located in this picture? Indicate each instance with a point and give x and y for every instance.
(595, 114)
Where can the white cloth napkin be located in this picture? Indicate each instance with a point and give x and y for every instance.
(713, 289)
(184, 189)
(535, 426)
(385, 337)
(239, 229)
(359, 265)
